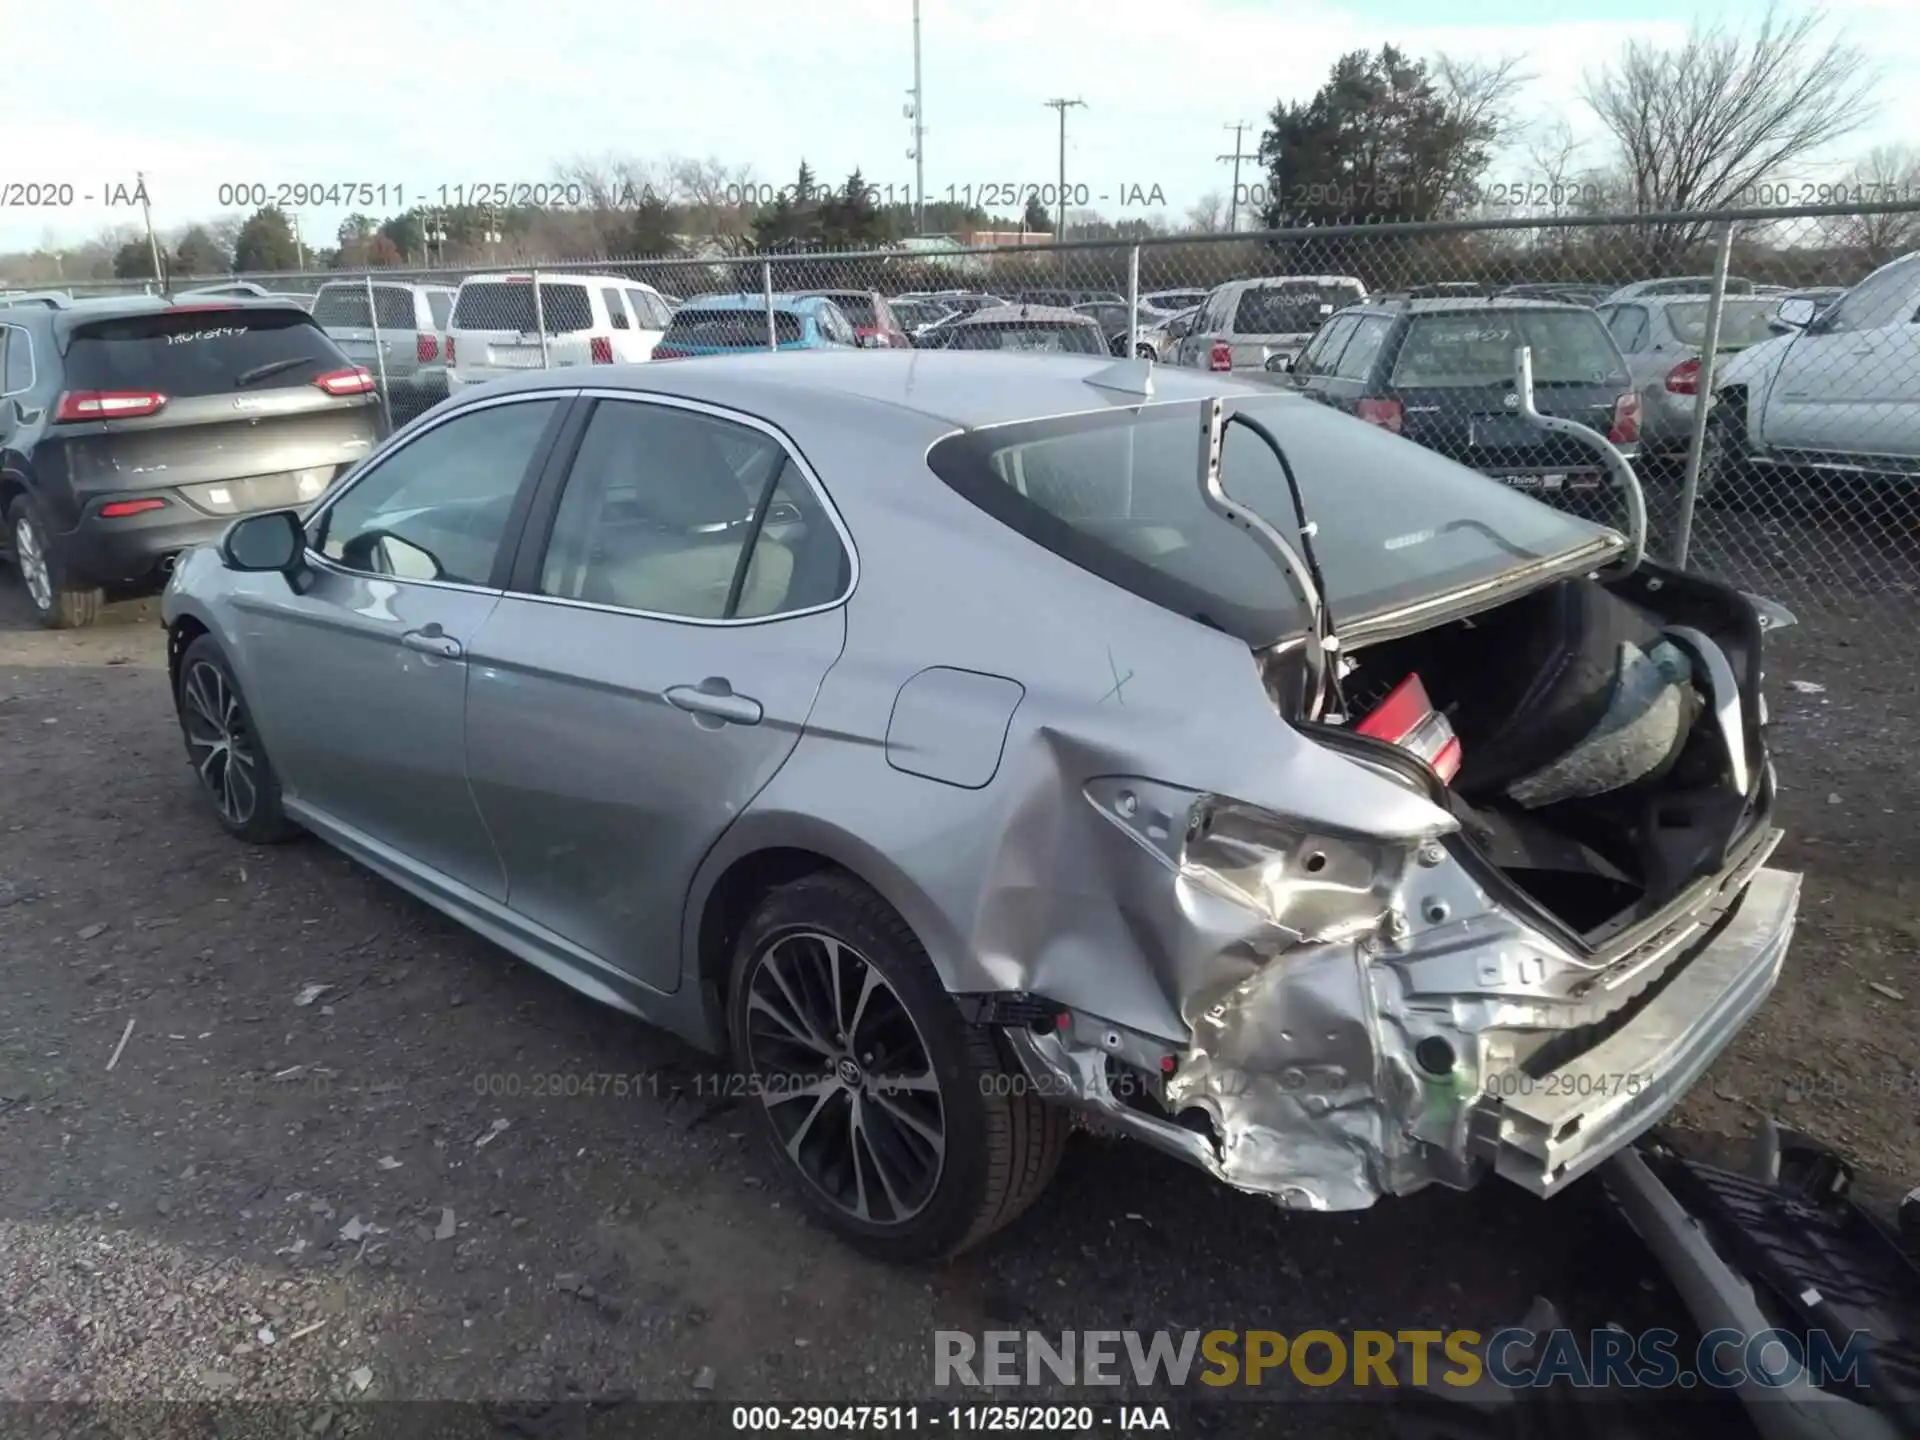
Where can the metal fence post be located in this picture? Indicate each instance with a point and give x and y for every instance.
(1703, 396)
(766, 286)
(1133, 301)
(379, 352)
(540, 320)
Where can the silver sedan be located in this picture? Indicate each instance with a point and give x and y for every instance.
(957, 740)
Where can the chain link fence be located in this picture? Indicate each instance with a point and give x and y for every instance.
(1798, 482)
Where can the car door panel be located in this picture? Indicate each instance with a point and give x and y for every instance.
(1847, 385)
(618, 721)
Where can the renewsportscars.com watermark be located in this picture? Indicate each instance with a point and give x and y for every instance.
(1515, 1358)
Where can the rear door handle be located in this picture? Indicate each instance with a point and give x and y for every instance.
(714, 696)
(433, 641)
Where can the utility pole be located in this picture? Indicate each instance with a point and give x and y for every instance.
(299, 245)
(1060, 225)
(918, 153)
(1239, 128)
(153, 245)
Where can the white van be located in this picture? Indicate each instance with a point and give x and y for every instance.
(588, 319)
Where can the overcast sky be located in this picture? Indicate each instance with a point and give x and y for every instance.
(420, 95)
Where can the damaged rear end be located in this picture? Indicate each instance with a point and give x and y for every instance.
(1531, 976)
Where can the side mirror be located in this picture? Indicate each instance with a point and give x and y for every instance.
(1280, 364)
(1797, 312)
(272, 541)
(875, 341)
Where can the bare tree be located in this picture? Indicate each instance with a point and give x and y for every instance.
(719, 199)
(1706, 123)
(1479, 96)
(1209, 214)
(1889, 174)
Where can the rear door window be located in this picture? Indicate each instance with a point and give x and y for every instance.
(200, 352)
(1323, 351)
(616, 308)
(508, 305)
(1369, 335)
(1475, 348)
(16, 362)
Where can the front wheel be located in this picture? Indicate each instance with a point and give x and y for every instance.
(224, 749)
(893, 1117)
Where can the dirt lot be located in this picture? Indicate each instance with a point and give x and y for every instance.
(363, 1196)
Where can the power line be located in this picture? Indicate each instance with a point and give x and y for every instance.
(1239, 128)
(1060, 225)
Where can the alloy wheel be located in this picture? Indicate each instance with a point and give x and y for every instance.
(219, 742)
(32, 557)
(846, 1078)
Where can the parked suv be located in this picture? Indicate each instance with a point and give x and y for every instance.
(1244, 324)
(1839, 394)
(134, 428)
(402, 336)
(1440, 372)
(587, 319)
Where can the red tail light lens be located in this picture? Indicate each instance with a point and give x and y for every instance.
(664, 352)
(426, 347)
(1626, 420)
(356, 381)
(121, 508)
(600, 347)
(1407, 718)
(1387, 414)
(1684, 378)
(1220, 357)
(77, 405)
(450, 349)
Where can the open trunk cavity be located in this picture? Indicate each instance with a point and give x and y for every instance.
(1610, 737)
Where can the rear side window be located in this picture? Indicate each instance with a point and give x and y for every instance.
(1039, 337)
(508, 305)
(1476, 348)
(17, 348)
(1629, 326)
(203, 352)
(345, 307)
(1742, 323)
(730, 328)
(616, 308)
(1356, 361)
(857, 308)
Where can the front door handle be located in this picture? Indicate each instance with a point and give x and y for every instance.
(433, 641)
(714, 697)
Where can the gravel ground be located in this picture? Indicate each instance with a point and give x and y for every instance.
(362, 1196)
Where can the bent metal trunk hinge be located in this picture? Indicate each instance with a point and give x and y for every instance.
(1617, 464)
(1213, 431)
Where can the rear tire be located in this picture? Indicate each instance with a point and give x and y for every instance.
(57, 601)
(225, 751)
(895, 1120)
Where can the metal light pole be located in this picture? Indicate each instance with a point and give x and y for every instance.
(1060, 225)
(153, 245)
(918, 153)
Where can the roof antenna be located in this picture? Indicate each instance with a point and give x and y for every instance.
(1127, 377)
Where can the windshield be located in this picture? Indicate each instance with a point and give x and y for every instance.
(1742, 322)
(730, 329)
(915, 313)
(1476, 347)
(1290, 309)
(345, 307)
(1117, 493)
(200, 352)
(508, 305)
(1032, 335)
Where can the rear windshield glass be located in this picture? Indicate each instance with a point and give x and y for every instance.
(201, 352)
(1031, 336)
(508, 305)
(1290, 309)
(857, 308)
(1476, 347)
(1118, 494)
(1742, 322)
(345, 307)
(730, 329)
(915, 313)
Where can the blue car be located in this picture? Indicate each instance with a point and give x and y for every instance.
(727, 324)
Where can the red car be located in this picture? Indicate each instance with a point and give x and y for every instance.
(872, 318)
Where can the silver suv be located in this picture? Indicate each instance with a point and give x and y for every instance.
(403, 336)
(1838, 395)
(1246, 324)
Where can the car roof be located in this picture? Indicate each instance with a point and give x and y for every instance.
(748, 300)
(1265, 282)
(113, 307)
(1016, 314)
(1467, 305)
(963, 389)
(554, 277)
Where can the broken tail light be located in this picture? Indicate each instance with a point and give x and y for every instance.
(1407, 718)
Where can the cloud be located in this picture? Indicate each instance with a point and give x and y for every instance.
(417, 97)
